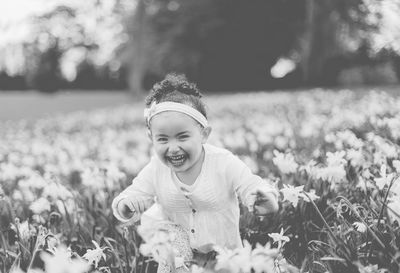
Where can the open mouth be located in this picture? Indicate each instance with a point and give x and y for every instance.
(176, 160)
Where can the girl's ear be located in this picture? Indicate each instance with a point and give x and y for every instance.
(205, 134)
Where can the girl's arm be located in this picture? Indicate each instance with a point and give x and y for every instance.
(253, 191)
(141, 190)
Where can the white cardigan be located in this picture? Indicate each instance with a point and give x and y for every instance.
(209, 208)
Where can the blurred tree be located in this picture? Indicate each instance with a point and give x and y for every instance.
(333, 29)
(45, 74)
(222, 45)
(85, 32)
(8, 82)
(228, 45)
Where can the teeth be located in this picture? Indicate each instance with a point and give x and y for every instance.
(177, 160)
(178, 157)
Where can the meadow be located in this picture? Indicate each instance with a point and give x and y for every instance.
(333, 155)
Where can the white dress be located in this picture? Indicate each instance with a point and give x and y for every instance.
(208, 209)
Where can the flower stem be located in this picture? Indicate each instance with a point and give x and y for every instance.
(330, 231)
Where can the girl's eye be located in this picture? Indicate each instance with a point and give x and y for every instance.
(162, 139)
(183, 137)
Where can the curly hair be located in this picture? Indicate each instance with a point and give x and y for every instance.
(176, 88)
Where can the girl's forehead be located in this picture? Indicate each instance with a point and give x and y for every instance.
(172, 121)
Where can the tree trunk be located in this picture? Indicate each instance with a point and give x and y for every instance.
(319, 40)
(307, 41)
(136, 66)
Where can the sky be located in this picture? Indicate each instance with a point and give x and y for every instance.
(96, 17)
(16, 11)
(14, 15)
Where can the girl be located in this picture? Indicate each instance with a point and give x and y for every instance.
(196, 185)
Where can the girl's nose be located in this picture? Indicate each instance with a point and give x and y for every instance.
(173, 147)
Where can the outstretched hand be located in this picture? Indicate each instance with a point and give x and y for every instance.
(127, 207)
(265, 203)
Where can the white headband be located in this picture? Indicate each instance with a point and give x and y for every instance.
(174, 106)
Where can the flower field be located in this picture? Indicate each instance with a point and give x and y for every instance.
(334, 156)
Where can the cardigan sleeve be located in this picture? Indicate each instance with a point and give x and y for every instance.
(245, 183)
(142, 187)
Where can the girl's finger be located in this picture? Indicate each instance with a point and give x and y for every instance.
(135, 206)
(140, 206)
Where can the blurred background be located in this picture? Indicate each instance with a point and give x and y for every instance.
(223, 45)
(73, 75)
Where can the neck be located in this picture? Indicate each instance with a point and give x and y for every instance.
(190, 176)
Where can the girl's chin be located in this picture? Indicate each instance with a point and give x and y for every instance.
(177, 167)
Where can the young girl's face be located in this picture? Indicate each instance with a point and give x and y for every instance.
(178, 140)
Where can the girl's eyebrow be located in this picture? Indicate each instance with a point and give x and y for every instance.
(180, 133)
(162, 135)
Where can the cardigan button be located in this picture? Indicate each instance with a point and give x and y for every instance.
(193, 210)
(192, 230)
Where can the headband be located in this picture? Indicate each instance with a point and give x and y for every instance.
(155, 109)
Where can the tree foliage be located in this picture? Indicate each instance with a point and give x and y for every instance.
(234, 44)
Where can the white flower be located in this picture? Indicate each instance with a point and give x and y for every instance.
(34, 181)
(384, 180)
(384, 147)
(114, 174)
(260, 259)
(158, 244)
(310, 168)
(61, 262)
(69, 206)
(224, 258)
(394, 208)
(335, 159)
(17, 270)
(263, 259)
(335, 171)
(310, 195)
(285, 162)
(331, 173)
(40, 205)
(355, 157)
(242, 259)
(281, 142)
(56, 191)
(396, 165)
(279, 238)
(369, 268)
(395, 189)
(364, 184)
(95, 255)
(197, 269)
(292, 194)
(349, 138)
(360, 227)
(24, 230)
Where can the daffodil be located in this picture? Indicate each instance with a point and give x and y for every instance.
(360, 227)
(385, 179)
(95, 255)
(291, 193)
(61, 262)
(285, 162)
(279, 238)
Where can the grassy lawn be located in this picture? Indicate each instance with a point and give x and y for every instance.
(32, 105)
(29, 105)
